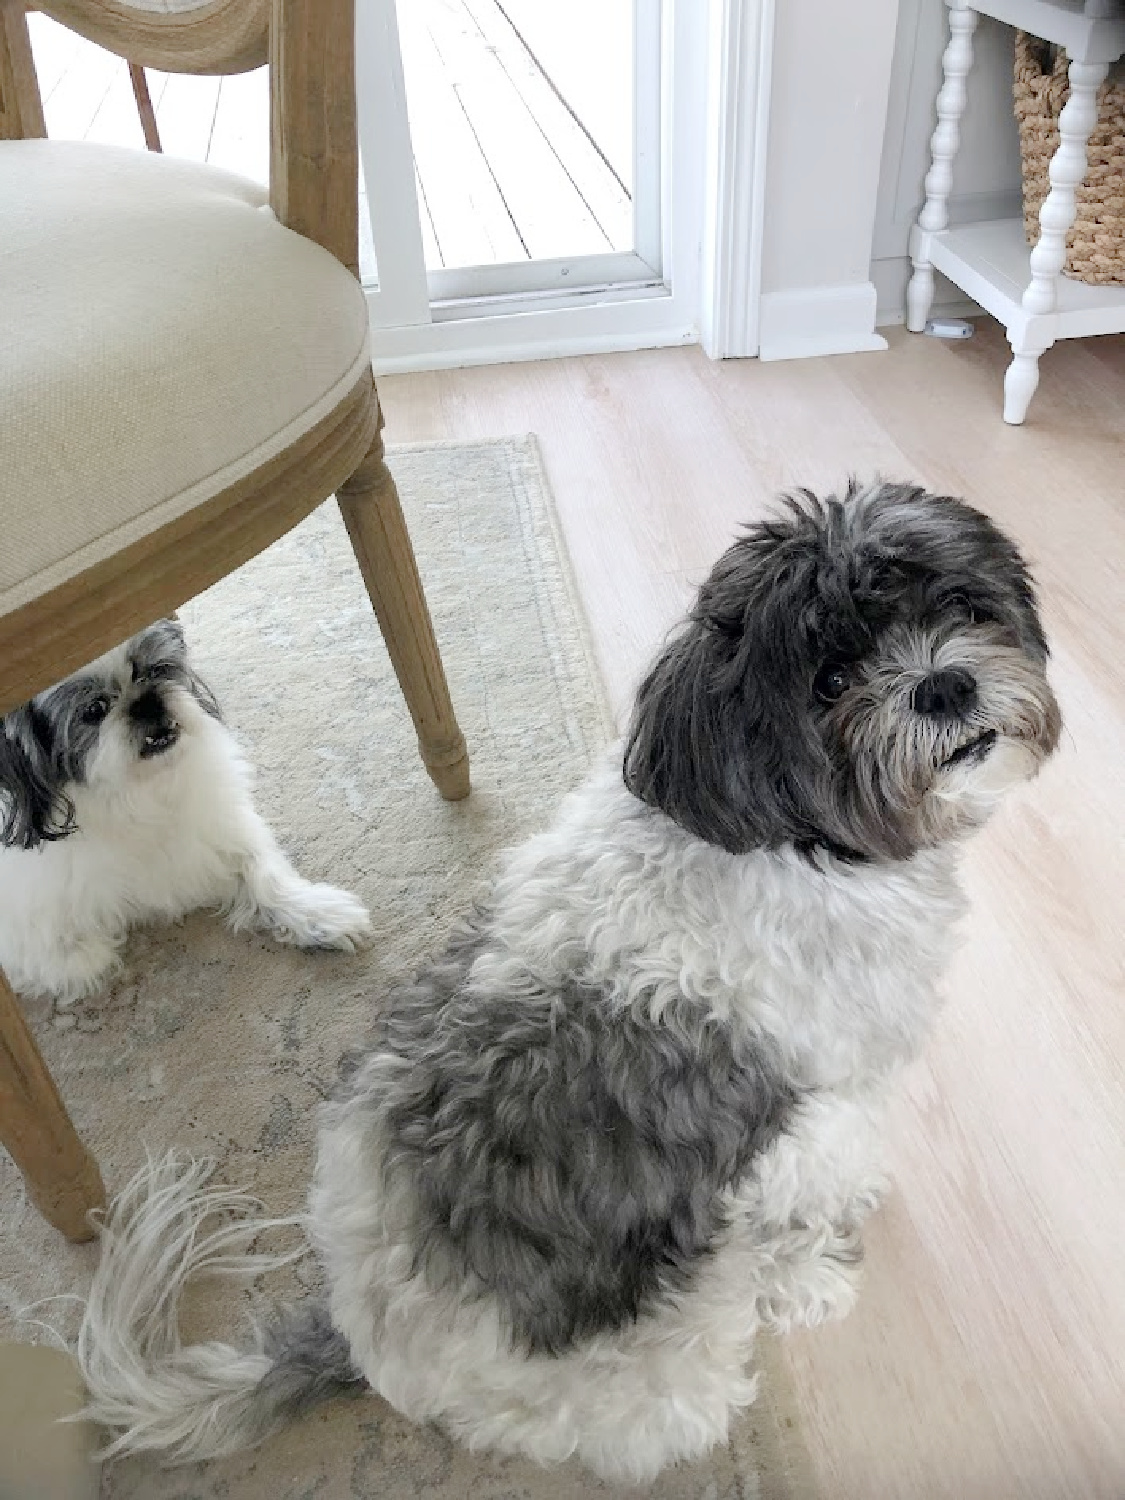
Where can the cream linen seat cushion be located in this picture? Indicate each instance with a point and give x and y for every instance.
(161, 337)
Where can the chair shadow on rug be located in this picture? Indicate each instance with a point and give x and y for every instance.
(186, 375)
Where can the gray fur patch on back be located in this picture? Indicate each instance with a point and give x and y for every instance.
(565, 1156)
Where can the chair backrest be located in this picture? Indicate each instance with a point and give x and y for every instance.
(183, 36)
(310, 48)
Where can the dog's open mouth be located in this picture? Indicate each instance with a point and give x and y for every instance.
(158, 741)
(973, 750)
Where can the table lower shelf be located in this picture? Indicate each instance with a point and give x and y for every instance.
(990, 261)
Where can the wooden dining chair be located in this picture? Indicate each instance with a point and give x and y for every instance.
(184, 375)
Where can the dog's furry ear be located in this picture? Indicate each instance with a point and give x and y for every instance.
(165, 642)
(717, 740)
(34, 807)
(196, 686)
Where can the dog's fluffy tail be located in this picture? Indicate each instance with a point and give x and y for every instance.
(208, 1399)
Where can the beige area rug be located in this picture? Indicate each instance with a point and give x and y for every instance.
(225, 1045)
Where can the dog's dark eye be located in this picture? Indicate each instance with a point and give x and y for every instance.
(976, 614)
(831, 682)
(96, 711)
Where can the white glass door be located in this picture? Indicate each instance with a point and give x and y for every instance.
(517, 162)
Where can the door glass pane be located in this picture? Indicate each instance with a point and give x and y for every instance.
(521, 121)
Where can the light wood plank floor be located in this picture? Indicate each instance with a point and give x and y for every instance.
(986, 1360)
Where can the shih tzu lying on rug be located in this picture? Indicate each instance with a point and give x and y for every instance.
(123, 799)
(633, 1113)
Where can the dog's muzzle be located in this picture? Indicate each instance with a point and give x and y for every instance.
(158, 730)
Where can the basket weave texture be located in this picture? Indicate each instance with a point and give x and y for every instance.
(1095, 244)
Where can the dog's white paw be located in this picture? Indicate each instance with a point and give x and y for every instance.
(78, 969)
(864, 1200)
(319, 916)
(815, 1279)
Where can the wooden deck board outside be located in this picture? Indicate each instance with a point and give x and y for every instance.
(240, 137)
(55, 50)
(81, 83)
(585, 50)
(470, 218)
(585, 162)
(549, 212)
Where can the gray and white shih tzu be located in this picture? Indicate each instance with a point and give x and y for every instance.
(633, 1113)
(124, 798)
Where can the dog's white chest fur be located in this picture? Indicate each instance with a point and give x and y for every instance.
(155, 846)
(836, 963)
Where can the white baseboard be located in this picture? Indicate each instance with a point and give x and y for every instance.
(819, 320)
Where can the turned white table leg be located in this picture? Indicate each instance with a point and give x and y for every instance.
(1020, 381)
(919, 296)
(1068, 168)
(956, 63)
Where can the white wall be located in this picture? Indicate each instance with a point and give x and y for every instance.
(831, 79)
(986, 182)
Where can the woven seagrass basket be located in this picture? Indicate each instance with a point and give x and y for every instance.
(1095, 245)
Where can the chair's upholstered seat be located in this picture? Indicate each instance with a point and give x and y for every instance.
(161, 337)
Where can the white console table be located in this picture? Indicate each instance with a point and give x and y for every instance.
(1024, 289)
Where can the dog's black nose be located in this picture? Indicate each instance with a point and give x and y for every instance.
(946, 695)
(149, 708)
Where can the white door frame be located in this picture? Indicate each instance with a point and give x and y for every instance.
(388, 168)
(716, 57)
(738, 96)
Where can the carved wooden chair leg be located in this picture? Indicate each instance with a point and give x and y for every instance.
(373, 515)
(62, 1177)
